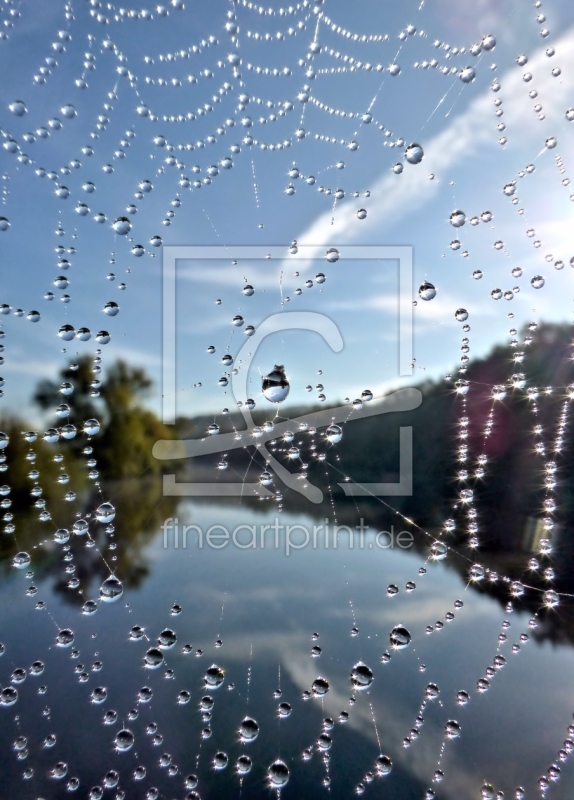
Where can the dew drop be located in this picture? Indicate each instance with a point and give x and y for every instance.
(427, 291)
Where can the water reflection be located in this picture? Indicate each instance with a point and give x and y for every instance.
(275, 623)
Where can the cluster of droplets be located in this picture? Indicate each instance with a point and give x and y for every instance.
(273, 383)
(553, 772)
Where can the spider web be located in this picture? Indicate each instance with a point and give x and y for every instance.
(268, 106)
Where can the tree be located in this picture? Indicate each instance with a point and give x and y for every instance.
(128, 430)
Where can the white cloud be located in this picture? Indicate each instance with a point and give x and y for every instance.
(397, 197)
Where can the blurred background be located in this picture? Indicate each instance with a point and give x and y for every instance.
(445, 127)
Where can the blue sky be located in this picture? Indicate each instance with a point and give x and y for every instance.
(455, 123)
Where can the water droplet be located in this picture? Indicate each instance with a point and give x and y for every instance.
(467, 74)
(122, 226)
(243, 765)
(220, 760)
(89, 607)
(18, 108)
(167, 639)
(111, 308)
(83, 334)
(452, 729)
(64, 638)
(91, 427)
(111, 590)
(67, 333)
(414, 154)
(105, 512)
(551, 599)
(214, 677)
(21, 560)
(248, 730)
(153, 658)
(275, 385)
(278, 774)
(361, 676)
(334, 434)
(69, 111)
(383, 765)
(8, 696)
(124, 740)
(427, 291)
(62, 536)
(399, 637)
(457, 219)
(320, 687)
(488, 42)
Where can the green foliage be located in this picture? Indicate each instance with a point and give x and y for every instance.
(17, 477)
(129, 430)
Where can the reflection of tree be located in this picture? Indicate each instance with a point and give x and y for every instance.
(129, 473)
(509, 499)
(26, 515)
(141, 508)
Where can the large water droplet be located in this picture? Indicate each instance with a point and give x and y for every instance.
(278, 774)
(111, 308)
(124, 740)
(467, 74)
(361, 676)
(67, 333)
(399, 637)
(427, 291)
(383, 765)
(248, 730)
(18, 108)
(111, 590)
(105, 512)
(122, 226)
(414, 154)
(275, 385)
(320, 687)
(457, 219)
(334, 434)
(21, 560)
(153, 658)
(214, 677)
